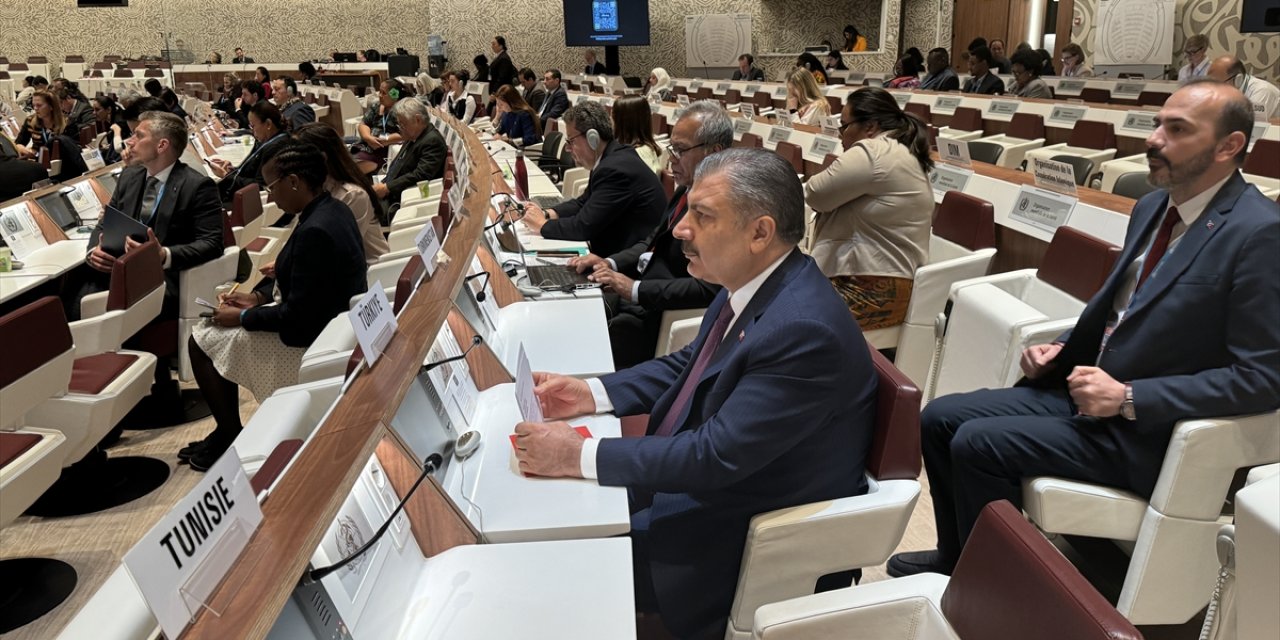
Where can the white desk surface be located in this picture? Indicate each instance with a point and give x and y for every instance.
(515, 508)
(567, 590)
(569, 336)
(41, 266)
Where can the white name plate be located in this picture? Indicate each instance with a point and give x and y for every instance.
(93, 159)
(682, 100)
(1140, 121)
(751, 90)
(373, 322)
(747, 109)
(1259, 128)
(1068, 115)
(1002, 107)
(948, 178)
(1054, 176)
(694, 86)
(946, 104)
(831, 126)
(1129, 88)
(428, 247)
(785, 119)
(822, 145)
(1044, 210)
(741, 126)
(855, 77)
(902, 99)
(1070, 87)
(780, 93)
(954, 151)
(779, 134)
(185, 555)
(722, 87)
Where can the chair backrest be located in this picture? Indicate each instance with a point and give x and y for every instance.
(750, 140)
(153, 73)
(966, 119)
(679, 90)
(1152, 98)
(1132, 185)
(703, 93)
(136, 64)
(1093, 135)
(1096, 95)
(1080, 165)
(895, 447)
(409, 276)
(96, 73)
(732, 96)
(75, 58)
(965, 220)
(988, 152)
(1025, 126)
(87, 135)
(659, 124)
(37, 60)
(792, 153)
(1011, 582)
(921, 110)
(834, 104)
(134, 275)
(1077, 262)
(36, 334)
(4, 75)
(103, 65)
(762, 100)
(1264, 159)
(112, 58)
(668, 182)
(18, 66)
(246, 205)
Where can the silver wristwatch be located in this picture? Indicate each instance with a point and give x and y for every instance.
(1126, 407)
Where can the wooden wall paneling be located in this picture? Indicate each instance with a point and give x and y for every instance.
(973, 18)
(1016, 30)
(1062, 29)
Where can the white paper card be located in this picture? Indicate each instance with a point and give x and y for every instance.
(373, 322)
(530, 410)
(750, 90)
(747, 109)
(902, 98)
(1002, 107)
(1067, 114)
(831, 126)
(1129, 88)
(20, 231)
(220, 514)
(1042, 209)
(784, 119)
(1144, 121)
(780, 93)
(428, 246)
(1070, 87)
(948, 178)
(741, 126)
(779, 134)
(954, 151)
(722, 87)
(682, 100)
(1054, 176)
(822, 145)
(84, 200)
(93, 159)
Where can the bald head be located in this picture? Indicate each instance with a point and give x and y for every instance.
(1201, 135)
(1225, 68)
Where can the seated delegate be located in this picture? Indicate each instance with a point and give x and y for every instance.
(348, 185)
(268, 130)
(421, 158)
(378, 130)
(981, 79)
(623, 200)
(874, 208)
(457, 101)
(293, 111)
(805, 100)
(633, 126)
(517, 121)
(659, 86)
(256, 338)
(1026, 76)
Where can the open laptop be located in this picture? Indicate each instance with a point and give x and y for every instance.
(549, 277)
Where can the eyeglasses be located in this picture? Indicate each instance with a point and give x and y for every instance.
(570, 139)
(1192, 52)
(271, 185)
(677, 152)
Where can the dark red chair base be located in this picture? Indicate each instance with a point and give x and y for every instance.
(98, 483)
(32, 587)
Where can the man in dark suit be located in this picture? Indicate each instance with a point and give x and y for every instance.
(981, 79)
(1184, 327)
(624, 198)
(557, 99)
(652, 276)
(421, 157)
(772, 406)
(530, 91)
(594, 67)
(76, 110)
(502, 70)
(747, 69)
(178, 203)
(941, 76)
(240, 58)
(293, 111)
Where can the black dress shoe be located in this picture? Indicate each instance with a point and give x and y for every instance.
(909, 563)
(192, 448)
(207, 456)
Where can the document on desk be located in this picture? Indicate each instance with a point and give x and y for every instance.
(526, 399)
(20, 231)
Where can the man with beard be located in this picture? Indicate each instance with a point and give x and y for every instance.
(1184, 327)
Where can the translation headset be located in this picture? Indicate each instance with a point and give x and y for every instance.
(394, 91)
(593, 139)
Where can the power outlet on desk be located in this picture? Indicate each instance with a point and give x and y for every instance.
(318, 609)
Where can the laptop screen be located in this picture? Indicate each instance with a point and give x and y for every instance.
(108, 182)
(59, 210)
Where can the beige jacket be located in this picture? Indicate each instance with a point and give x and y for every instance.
(358, 201)
(874, 209)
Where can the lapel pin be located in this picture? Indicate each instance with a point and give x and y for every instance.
(1209, 224)
(742, 334)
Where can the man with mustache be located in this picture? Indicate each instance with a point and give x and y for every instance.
(773, 404)
(1184, 327)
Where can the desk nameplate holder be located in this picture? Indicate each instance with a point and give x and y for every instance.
(779, 134)
(946, 104)
(954, 170)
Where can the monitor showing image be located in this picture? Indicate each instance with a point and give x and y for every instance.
(591, 23)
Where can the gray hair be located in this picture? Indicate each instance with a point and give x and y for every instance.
(590, 115)
(406, 108)
(168, 126)
(715, 129)
(761, 183)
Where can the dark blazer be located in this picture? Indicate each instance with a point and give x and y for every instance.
(250, 171)
(991, 85)
(518, 125)
(17, 176)
(81, 116)
(188, 219)
(945, 80)
(296, 114)
(783, 416)
(318, 270)
(534, 97)
(665, 282)
(1200, 338)
(596, 69)
(554, 106)
(753, 73)
(501, 71)
(623, 202)
(418, 160)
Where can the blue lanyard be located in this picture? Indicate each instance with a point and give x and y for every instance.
(156, 207)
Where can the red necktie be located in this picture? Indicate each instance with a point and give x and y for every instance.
(709, 346)
(1159, 246)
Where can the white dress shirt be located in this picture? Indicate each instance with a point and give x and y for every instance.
(1264, 96)
(738, 301)
(1188, 72)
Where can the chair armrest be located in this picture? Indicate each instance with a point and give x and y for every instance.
(202, 280)
(682, 333)
(902, 608)
(933, 283)
(787, 550)
(98, 334)
(93, 305)
(1203, 457)
(1012, 282)
(1258, 474)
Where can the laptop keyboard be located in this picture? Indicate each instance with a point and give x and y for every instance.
(547, 277)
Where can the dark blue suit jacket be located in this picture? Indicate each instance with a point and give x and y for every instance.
(1202, 336)
(783, 416)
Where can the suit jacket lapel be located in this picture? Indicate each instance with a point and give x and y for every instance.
(168, 201)
(759, 302)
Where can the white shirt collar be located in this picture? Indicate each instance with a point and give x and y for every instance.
(738, 300)
(163, 175)
(1190, 210)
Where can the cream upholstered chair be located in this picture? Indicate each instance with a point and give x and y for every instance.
(993, 318)
(1173, 563)
(787, 550)
(1009, 583)
(290, 413)
(1095, 141)
(679, 329)
(961, 246)
(1026, 132)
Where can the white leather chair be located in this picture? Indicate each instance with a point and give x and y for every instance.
(1026, 132)
(679, 329)
(1173, 563)
(574, 182)
(292, 412)
(1111, 170)
(247, 224)
(1095, 141)
(961, 246)
(1009, 583)
(409, 197)
(414, 215)
(993, 318)
(787, 550)
(1257, 531)
(202, 281)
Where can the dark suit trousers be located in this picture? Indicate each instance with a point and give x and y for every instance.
(633, 332)
(978, 447)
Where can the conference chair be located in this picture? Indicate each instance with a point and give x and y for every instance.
(575, 182)
(1133, 185)
(291, 413)
(1025, 132)
(1095, 95)
(732, 97)
(966, 124)
(247, 223)
(1256, 555)
(763, 100)
(679, 329)
(1152, 98)
(961, 246)
(788, 550)
(812, 169)
(1109, 172)
(1009, 583)
(1089, 139)
(792, 153)
(983, 151)
(749, 140)
(435, 190)
(1081, 167)
(703, 93)
(993, 318)
(35, 368)
(920, 110)
(106, 382)
(1262, 167)
(1171, 537)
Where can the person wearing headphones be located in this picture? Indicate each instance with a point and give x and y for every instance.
(747, 69)
(624, 199)
(293, 110)
(378, 130)
(1264, 96)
